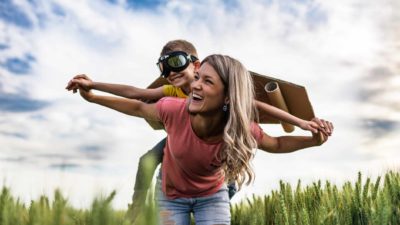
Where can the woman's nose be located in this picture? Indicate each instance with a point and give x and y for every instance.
(195, 84)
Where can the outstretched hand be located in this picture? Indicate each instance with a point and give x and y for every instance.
(324, 131)
(82, 83)
(86, 94)
(80, 80)
(310, 126)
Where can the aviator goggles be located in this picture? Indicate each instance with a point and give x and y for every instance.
(174, 61)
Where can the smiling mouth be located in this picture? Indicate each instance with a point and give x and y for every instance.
(196, 97)
(176, 76)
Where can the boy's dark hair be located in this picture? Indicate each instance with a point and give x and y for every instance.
(179, 45)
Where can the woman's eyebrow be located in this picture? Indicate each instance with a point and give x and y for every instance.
(207, 76)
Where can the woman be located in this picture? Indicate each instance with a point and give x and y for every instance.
(212, 139)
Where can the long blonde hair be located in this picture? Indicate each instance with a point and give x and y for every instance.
(239, 142)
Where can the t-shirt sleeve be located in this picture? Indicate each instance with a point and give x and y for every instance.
(160, 106)
(257, 132)
(168, 108)
(169, 90)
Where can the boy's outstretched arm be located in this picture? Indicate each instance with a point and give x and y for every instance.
(127, 106)
(287, 117)
(122, 90)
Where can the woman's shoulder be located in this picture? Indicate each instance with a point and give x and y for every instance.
(171, 104)
(171, 110)
(172, 100)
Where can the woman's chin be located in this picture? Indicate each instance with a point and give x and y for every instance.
(192, 110)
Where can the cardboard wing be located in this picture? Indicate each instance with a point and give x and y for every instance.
(287, 96)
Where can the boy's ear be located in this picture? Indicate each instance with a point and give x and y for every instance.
(196, 65)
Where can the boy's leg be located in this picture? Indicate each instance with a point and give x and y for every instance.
(147, 165)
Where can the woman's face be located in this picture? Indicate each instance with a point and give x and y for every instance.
(207, 95)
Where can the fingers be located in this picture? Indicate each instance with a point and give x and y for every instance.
(313, 126)
(313, 129)
(75, 82)
(328, 126)
(310, 126)
(324, 137)
(72, 86)
(82, 76)
(324, 132)
(325, 126)
(82, 91)
(319, 122)
(69, 86)
(321, 137)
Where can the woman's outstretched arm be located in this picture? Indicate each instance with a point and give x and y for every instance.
(285, 144)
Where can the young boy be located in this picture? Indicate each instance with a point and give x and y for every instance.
(178, 63)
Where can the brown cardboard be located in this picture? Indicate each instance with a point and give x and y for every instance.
(275, 96)
(295, 98)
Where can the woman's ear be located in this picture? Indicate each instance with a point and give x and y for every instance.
(226, 101)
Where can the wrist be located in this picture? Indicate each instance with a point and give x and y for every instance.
(93, 85)
(301, 123)
(318, 139)
(88, 96)
(92, 98)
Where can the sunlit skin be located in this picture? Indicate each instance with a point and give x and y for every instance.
(183, 81)
(184, 78)
(208, 95)
(205, 104)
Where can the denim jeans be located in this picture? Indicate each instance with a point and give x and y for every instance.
(209, 210)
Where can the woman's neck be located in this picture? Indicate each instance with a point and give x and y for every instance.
(208, 128)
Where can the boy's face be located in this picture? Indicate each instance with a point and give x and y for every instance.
(182, 78)
(178, 67)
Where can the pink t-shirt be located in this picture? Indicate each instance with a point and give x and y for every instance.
(190, 166)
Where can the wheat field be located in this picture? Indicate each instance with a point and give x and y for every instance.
(364, 201)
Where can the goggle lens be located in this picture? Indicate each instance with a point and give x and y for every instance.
(177, 61)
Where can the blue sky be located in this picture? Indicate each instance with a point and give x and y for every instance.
(343, 52)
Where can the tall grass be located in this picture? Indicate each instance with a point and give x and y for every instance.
(361, 202)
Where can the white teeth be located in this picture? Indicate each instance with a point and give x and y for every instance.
(197, 96)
